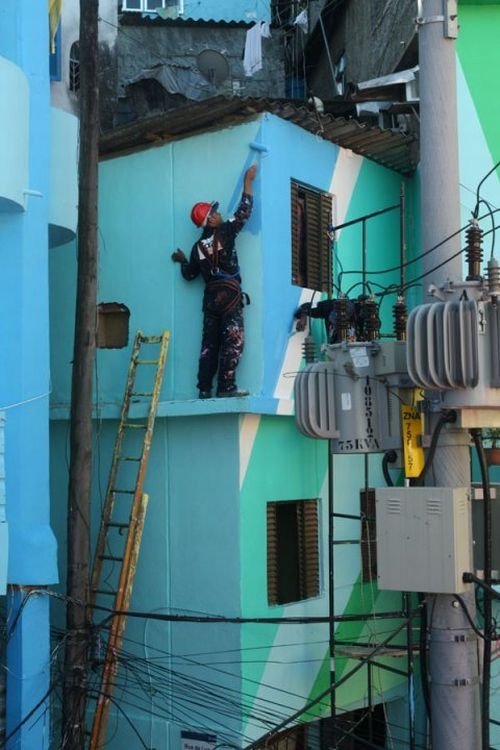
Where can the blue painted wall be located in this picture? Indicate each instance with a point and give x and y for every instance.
(146, 198)
(25, 383)
(25, 386)
(198, 551)
(228, 10)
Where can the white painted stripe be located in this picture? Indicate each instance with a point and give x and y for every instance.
(249, 426)
(344, 181)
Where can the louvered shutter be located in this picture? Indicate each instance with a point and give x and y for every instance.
(310, 584)
(272, 554)
(326, 269)
(295, 233)
(311, 244)
(368, 536)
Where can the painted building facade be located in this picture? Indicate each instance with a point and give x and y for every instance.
(37, 210)
(218, 467)
(479, 151)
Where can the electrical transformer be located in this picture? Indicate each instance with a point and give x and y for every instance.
(454, 347)
(353, 397)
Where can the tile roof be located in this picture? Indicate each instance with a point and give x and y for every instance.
(389, 148)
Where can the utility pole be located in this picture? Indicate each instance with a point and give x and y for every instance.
(453, 647)
(78, 557)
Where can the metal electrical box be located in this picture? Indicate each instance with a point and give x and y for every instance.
(423, 539)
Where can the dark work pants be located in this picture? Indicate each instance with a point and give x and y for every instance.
(221, 347)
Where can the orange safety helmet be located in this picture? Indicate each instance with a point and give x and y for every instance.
(201, 211)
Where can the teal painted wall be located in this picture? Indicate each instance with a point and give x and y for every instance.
(145, 200)
(188, 564)
(212, 473)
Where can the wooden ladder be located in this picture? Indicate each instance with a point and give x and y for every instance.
(123, 512)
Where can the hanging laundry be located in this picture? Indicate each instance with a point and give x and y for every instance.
(302, 21)
(252, 58)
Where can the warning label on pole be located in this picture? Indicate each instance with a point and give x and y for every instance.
(412, 429)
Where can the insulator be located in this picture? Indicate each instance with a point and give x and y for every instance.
(400, 314)
(371, 319)
(494, 277)
(474, 254)
(341, 318)
(309, 350)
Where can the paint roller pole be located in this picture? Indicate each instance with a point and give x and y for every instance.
(453, 648)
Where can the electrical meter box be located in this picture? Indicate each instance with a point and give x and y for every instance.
(424, 540)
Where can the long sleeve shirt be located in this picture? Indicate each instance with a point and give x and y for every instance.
(214, 255)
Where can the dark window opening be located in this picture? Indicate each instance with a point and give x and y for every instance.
(292, 551)
(352, 730)
(55, 57)
(112, 325)
(74, 67)
(368, 536)
(311, 238)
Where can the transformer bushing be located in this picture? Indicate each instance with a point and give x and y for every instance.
(474, 253)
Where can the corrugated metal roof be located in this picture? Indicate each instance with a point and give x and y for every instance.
(387, 147)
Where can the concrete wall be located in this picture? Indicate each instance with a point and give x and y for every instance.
(141, 47)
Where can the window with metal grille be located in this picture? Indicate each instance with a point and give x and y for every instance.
(74, 67)
(292, 551)
(311, 241)
(368, 536)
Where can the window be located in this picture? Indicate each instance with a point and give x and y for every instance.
(311, 241)
(145, 6)
(368, 536)
(55, 57)
(112, 325)
(292, 551)
(74, 67)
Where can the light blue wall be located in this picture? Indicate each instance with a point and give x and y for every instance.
(63, 177)
(292, 153)
(188, 564)
(14, 142)
(25, 383)
(228, 10)
(24, 377)
(145, 200)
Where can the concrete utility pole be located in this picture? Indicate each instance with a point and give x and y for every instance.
(454, 665)
(77, 620)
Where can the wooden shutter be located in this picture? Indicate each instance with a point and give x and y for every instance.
(368, 536)
(303, 535)
(310, 566)
(272, 554)
(294, 197)
(316, 246)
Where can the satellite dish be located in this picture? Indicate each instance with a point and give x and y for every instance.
(213, 66)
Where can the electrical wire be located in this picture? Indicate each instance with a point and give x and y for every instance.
(305, 709)
(424, 254)
(485, 708)
(444, 418)
(479, 186)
